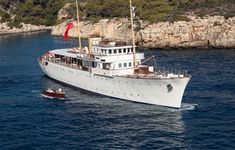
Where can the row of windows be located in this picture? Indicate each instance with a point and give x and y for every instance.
(124, 65)
(116, 51)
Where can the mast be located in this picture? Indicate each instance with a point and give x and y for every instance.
(78, 22)
(133, 36)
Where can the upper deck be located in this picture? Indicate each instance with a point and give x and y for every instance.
(107, 58)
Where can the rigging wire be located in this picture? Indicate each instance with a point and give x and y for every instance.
(152, 57)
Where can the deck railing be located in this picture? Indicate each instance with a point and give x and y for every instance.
(165, 71)
(67, 64)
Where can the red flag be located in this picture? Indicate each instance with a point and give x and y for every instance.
(70, 26)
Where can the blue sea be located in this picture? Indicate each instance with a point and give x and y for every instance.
(88, 121)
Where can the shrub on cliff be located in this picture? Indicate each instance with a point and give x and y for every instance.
(14, 23)
(4, 16)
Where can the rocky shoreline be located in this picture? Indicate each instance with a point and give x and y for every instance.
(210, 31)
(207, 32)
(26, 28)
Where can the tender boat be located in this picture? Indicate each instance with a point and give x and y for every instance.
(51, 93)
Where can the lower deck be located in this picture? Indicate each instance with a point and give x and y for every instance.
(142, 72)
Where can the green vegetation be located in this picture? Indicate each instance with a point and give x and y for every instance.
(37, 12)
(45, 12)
(159, 10)
(224, 8)
(5, 17)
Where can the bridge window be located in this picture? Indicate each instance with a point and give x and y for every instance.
(120, 65)
(85, 63)
(110, 51)
(115, 51)
(94, 64)
(106, 66)
(124, 50)
(120, 51)
(125, 64)
(130, 64)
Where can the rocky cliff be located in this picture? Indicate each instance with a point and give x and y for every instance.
(115, 28)
(213, 31)
(210, 31)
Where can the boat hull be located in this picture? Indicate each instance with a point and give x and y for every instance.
(164, 92)
(53, 95)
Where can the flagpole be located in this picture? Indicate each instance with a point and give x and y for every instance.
(133, 36)
(78, 22)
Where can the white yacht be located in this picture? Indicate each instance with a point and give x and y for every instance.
(115, 69)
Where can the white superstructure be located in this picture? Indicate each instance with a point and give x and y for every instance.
(108, 70)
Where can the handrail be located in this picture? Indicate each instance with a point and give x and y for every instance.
(71, 65)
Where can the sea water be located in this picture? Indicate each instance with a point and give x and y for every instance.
(206, 119)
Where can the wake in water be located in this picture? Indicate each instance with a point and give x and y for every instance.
(188, 106)
(35, 91)
(184, 107)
